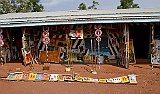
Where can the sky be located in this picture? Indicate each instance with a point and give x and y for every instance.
(61, 5)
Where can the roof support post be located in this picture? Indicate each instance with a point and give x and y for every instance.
(126, 45)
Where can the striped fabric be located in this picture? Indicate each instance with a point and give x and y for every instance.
(114, 48)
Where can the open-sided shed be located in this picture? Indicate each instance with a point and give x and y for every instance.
(118, 25)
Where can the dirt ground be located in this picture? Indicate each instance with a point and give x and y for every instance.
(148, 80)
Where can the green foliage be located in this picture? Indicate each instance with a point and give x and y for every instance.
(35, 6)
(93, 6)
(14, 6)
(82, 6)
(125, 4)
(5, 6)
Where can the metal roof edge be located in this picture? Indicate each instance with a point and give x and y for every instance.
(78, 12)
(80, 16)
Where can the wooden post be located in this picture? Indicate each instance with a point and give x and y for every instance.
(126, 47)
(152, 30)
(92, 52)
(69, 53)
(47, 53)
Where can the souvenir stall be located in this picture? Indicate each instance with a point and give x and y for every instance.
(87, 43)
(82, 43)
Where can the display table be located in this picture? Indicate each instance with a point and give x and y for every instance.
(53, 56)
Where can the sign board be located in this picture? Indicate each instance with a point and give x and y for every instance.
(45, 40)
(11, 76)
(32, 76)
(124, 79)
(79, 78)
(132, 79)
(68, 77)
(39, 76)
(18, 76)
(86, 79)
(45, 77)
(25, 76)
(45, 34)
(53, 77)
(102, 80)
(98, 32)
(94, 80)
(53, 56)
(117, 80)
(98, 39)
(60, 77)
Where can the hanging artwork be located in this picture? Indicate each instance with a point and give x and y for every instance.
(45, 34)
(79, 34)
(132, 59)
(1, 38)
(155, 52)
(76, 34)
(72, 34)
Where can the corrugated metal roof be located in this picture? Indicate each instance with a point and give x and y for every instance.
(80, 17)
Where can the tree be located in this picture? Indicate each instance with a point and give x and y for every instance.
(125, 4)
(93, 6)
(14, 6)
(5, 6)
(20, 6)
(82, 6)
(35, 6)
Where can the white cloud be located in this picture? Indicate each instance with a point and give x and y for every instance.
(52, 2)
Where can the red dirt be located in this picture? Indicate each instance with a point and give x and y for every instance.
(148, 80)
